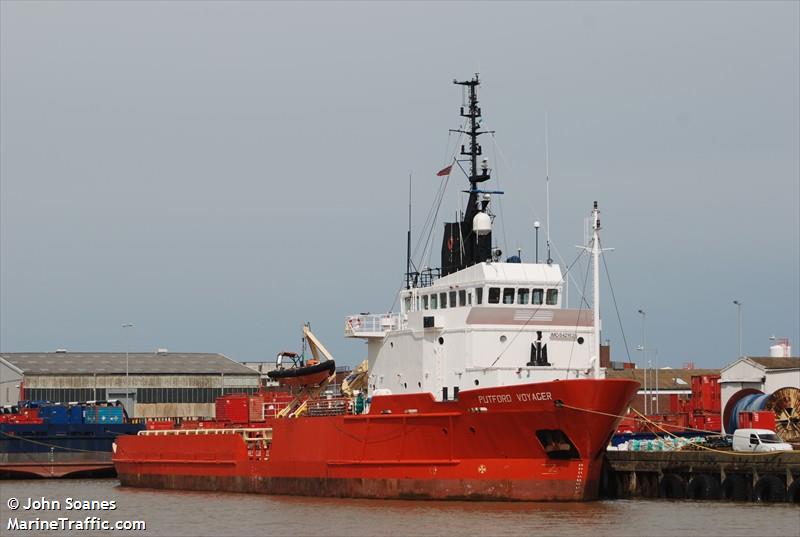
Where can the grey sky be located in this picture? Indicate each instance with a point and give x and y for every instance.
(219, 173)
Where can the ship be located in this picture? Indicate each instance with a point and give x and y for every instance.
(483, 386)
(45, 439)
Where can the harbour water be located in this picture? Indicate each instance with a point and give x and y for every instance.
(174, 513)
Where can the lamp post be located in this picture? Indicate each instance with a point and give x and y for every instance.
(655, 373)
(127, 350)
(739, 324)
(644, 354)
(536, 226)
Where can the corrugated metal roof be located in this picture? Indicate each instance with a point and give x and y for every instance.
(769, 362)
(668, 379)
(110, 363)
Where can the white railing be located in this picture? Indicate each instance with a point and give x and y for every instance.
(371, 324)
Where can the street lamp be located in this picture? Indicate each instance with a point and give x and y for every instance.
(536, 226)
(739, 324)
(644, 354)
(127, 350)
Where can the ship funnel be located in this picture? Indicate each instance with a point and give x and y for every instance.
(482, 224)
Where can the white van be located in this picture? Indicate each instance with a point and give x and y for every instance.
(758, 440)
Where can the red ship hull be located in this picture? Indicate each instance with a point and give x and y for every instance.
(486, 445)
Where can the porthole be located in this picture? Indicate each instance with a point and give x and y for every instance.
(580, 341)
(391, 344)
(477, 382)
(441, 341)
(405, 385)
(419, 384)
(503, 339)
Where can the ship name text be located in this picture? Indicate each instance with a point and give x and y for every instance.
(521, 397)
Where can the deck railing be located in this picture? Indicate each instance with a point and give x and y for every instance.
(371, 324)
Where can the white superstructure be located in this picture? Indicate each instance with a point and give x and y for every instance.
(483, 322)
(491, 324)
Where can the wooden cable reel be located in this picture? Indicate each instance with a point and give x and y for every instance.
(785, 403)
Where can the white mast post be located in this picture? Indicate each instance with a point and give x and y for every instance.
(596, 282)
(547, 184)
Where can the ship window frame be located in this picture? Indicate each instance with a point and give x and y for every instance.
(494, 295)
(453, 300)
(462, 297)
(478, 296)
(552, 297)
(434, 301)
(537, 293)
(509, 293)
(523, 296)
(469, 298)
(443, 300)
(425, 302)
(407, 303)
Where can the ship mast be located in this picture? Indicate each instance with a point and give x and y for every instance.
(473, 113)
(475, 228)
(596, 285)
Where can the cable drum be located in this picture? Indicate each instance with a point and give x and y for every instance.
(784, 403)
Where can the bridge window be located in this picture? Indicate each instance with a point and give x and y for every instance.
(442, 300)
(494, 295)
(479, 296)
(453, 302)
(434, 302)
(462, 298)
(508, 295)
(524, 296)
(425, 302)
(407, 304)
(552, 297)
(538, 295)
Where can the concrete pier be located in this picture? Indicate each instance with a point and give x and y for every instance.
(702, 475)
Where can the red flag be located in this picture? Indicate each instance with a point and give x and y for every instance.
(444, 171)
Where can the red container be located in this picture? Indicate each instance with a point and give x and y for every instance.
(163, 425)
(707, 422)
(679, 405)
(764, 419)
(706, 394)
(256, 408)
(233, 408)
(211, 424)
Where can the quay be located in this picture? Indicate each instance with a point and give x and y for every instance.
(702, 475)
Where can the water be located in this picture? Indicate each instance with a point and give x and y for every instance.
(176, 513)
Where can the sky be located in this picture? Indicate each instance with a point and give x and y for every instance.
(217, 174)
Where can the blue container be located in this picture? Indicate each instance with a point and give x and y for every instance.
(75, 415)
(112, 414)
(90, 415)
(55, 414)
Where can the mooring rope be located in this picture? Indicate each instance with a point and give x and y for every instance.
(645, 419)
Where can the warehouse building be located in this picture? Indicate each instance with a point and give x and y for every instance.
(764, 374)
(159, 384)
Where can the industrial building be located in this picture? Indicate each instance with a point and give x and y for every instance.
(158, 384)
(658, 385)
(764, 374)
